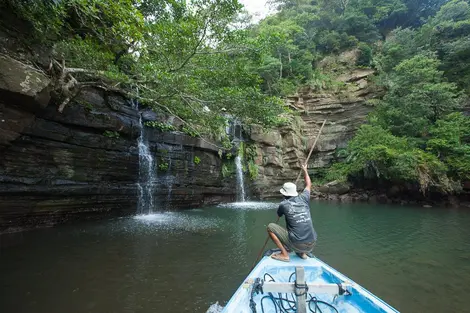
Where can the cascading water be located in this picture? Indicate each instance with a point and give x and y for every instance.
(234, 131)
(240, 181)
(147, 177)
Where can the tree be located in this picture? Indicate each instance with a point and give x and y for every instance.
(449, 35)
(417, 97)
(186, 59)
(451, 143)
(376, 155)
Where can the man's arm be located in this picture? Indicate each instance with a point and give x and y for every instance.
(280, 210)
(308, 182)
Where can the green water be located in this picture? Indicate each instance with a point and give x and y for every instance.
(416, 259)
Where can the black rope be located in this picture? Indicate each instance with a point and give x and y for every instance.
(256, 289)
(283, 303)
(317, 309)
(267, 275)
(300, 289)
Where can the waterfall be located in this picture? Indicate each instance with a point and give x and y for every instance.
(147, 177)
(234, 131)
(240, 182)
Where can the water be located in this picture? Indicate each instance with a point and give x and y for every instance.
(416, 259)
(240, 181)
(147, 177)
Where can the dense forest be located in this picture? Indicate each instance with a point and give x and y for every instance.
(196, 59)
(417, 134)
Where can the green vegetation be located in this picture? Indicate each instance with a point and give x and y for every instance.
(159, 125)
(252, 170)
(189, 131)
(303, 32)
(163, 152)
(197, 160)
(228, 169)
(195, 59)
(250, 156)
(88, 106)
(111, 134)
(417, 134)
(163, 166)
(187, 59)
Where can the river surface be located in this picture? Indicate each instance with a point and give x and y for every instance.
(416, 259)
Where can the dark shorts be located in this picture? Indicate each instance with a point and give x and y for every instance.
(283, 237)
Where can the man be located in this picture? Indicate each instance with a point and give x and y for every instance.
(300, 236)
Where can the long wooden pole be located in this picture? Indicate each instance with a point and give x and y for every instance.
(311, 150)
(308, 157)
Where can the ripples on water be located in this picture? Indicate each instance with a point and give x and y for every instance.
(249, 205)
(215, 308)
(418, 260)
(176, 221)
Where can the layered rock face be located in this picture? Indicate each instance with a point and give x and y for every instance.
(344, 108)
(278, 154)
(57, 166)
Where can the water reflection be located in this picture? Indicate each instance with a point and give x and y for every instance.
(250, 205)
(187, 261)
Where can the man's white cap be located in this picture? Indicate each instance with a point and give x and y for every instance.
(289, 190)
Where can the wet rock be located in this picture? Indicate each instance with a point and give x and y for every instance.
(454, 201)
(24, 83)
(333, 197)
(84, 162)
(362, 197)
(382, 198)
(346, 198)
(149, 115)
(269, 138)
(394, 191)
(335, 187)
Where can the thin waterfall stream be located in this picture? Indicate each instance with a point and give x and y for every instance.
(240, 181)
(147, 177)
(235, 131)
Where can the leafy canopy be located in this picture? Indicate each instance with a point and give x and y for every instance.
(186, 59)
(417, 133)
(303, 32)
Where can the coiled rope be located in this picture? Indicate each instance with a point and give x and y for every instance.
(284, 302)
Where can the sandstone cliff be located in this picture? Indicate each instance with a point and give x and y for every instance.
(344, 107)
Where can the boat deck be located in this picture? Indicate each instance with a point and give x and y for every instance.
(316, 273)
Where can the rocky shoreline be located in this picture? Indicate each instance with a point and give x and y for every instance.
(345, 193)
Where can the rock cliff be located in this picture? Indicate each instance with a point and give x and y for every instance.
(344, 107)
(56, 166)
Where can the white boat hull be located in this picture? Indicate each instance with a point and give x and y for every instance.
(322, 280)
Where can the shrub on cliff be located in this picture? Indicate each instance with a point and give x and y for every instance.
(413, 137)
(365, 55)
(451, 143)
(375, 154)
(417, 97)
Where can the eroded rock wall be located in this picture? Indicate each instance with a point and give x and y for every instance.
(57, 166)
(278, 154)
(344, 108)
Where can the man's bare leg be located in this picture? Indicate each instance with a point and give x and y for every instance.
(283, 255)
